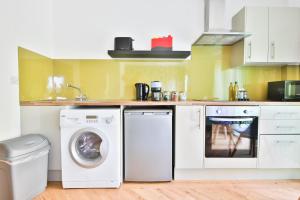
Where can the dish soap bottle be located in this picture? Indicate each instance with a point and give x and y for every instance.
(231, 91)
(235, 91)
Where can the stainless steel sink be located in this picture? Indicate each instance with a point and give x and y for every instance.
(64, 100)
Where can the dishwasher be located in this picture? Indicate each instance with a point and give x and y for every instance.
(148, 145)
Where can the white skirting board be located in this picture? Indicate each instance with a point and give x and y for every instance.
(218, 174)
(235, 174)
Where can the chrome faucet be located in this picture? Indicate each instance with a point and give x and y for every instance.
(81, 97)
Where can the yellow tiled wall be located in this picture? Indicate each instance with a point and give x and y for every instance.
(111, 79)
(34, 71)
(206, 76)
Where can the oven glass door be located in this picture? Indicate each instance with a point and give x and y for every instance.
(231, 137)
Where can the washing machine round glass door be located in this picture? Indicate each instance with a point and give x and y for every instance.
(89, 147)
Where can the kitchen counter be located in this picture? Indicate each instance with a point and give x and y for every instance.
(150, 103)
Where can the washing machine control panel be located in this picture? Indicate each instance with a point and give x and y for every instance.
(91, 119)
(87, 119)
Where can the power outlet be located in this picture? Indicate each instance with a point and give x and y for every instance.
(14, 80)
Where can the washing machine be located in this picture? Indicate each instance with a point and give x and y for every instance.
(91, 148)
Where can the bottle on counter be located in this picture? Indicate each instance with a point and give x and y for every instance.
(235, 91)
(231, 92)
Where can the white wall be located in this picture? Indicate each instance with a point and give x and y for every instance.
(86, 29)
(35, 25)
(9, 101)
(27, 24)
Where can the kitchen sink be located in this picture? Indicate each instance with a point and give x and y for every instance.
(64, 100)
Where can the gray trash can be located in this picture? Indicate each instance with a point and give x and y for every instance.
(23, 167)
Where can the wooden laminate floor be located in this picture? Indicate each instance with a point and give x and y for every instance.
(182, 190)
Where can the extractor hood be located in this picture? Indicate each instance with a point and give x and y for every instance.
(214, 23)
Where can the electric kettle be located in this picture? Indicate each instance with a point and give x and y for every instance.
(142, 91)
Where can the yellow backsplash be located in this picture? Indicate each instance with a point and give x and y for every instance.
(207, 75)
(34, 72)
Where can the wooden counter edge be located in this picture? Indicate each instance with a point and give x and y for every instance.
(153, 103)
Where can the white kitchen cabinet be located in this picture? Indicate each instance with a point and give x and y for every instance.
(189, 135)
(280, 112)
(280, 127)
(279, 151)
(284, 35)
(275, 36)
(44, 120)
(279, 140)
(253, 20)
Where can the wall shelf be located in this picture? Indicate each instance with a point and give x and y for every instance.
(149, 54)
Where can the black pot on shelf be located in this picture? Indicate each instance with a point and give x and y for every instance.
(123, 43)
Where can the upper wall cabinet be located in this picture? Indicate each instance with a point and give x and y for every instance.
(275, 36)
(253, 49)
(284, 35)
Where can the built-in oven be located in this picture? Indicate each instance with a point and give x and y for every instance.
(231, 136)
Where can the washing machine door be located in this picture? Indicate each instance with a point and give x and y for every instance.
(89, 147)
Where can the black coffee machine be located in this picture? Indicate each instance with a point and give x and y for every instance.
(142, 91)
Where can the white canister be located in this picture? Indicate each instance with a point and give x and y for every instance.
(182, 96)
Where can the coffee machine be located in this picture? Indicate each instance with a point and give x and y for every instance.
(156, 94)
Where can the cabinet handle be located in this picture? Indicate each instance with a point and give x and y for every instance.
(285, 141)
(273, 50)
(199, 126)
(285, 113)
(249, 50)
(285, 127)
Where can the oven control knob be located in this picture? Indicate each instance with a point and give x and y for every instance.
(245, 111)
(218, 111)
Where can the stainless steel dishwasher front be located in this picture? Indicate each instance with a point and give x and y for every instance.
(148, 145)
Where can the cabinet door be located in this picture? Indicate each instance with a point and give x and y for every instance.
(256, 45)
(44, 120)
(279, 151)
(189, 137)
(284, 34)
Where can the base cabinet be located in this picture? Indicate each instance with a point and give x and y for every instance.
(279, 151)
(189, 134)
(44, 120)
(279, 140)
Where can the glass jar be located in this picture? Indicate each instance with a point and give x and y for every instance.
(174, 96)
(182, 96)
(166, 96)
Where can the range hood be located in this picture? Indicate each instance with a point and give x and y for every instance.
(214, 23)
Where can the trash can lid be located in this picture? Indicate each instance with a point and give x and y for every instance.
(22, 145)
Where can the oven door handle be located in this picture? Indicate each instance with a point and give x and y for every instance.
(218, 119)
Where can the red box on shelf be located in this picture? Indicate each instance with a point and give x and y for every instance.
(162, 43)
